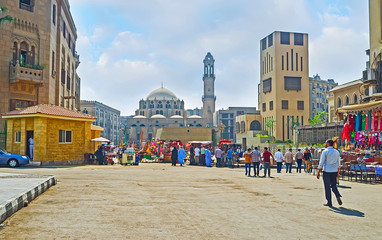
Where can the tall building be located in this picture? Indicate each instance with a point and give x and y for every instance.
(318, 91)
(38, 58)
(372, 76)
(284, 82)
(107, 117)
(195, 111)
(209, 97)
(225, 119)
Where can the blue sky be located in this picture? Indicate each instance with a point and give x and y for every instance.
(128, 47)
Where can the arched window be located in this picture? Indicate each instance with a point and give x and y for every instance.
(151, 104)
(32, 55)
(157, 112)
(161, 112)
(255, 125)
(168, 104)
(339, 102)
(237, 127)
(160, 104)
(355, 99)
(199, 125)
(24, 49)
(242, 126)
(347, 100)
(15, 52)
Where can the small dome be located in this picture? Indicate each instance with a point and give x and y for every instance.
(162, 94)
(158, 116)
(176, 116)
(194, 116)
(139, 116)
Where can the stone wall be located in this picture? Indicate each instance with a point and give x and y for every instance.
(318, 133)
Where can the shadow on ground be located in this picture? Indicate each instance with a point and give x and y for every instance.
(347, 211)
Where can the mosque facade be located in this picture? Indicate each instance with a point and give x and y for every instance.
(163, 109)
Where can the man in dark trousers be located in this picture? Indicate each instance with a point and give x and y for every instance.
(330, 165)
(174, 156)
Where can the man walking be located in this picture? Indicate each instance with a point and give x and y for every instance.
(289, 160)
(229, 157)
(208, 157)
(197, 154)
(203, 153)
(299, 156)
(330, 165)
(192, 156)
(218, 156)
(174, 156)
(256, 158)
(279, 160)
(267, 162)
(248, 159)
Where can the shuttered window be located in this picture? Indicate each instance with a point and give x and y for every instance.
(267, 85)
(292, 83)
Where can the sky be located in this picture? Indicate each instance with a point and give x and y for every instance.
(128, 48)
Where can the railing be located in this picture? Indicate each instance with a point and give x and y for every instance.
(27, 73)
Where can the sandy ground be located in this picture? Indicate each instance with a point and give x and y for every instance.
(157, 201)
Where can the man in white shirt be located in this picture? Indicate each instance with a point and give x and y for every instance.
(279, 160)
(330, 165)
(31, 142)
(197, 154)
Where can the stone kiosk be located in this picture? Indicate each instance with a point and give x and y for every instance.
(61, 136)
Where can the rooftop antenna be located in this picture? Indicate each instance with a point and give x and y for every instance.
(162, 84)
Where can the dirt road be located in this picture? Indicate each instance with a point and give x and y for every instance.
(157, 201)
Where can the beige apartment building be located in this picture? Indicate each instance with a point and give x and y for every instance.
(344, 95)
(284, 82)
(38, 58)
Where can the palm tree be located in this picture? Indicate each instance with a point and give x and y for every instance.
(6, 18)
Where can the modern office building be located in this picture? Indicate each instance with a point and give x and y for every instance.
(225, 120)
(38, 58)
(107, 117)
(195, 111)
(319, 88)
(284, 82)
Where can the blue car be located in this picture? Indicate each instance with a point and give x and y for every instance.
(12, 160)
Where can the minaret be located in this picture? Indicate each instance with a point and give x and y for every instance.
(209, 89)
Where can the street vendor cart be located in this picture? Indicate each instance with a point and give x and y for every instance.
(128, 157)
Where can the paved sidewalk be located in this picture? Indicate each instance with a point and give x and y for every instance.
(17, 188)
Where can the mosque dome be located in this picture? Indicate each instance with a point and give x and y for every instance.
(158, 116)
(162, 94)
(139, 116)
(176, 116)
(194, 116)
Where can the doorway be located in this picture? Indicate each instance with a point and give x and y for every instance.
(27, 150)
(244, 144)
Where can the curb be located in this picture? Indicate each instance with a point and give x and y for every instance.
(16, 203)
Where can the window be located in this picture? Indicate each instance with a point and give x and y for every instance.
(300, 105)
(54, 14)
(264, 107)
(17, 137)
(299, 39)
(296, 61)
(267, 85)
(355, 99)
(53, 60)
(347, 100)
(287, 61)
(284, 104)
(291, 59)
(270, 40)
(64, 30)
(285, 38)
(282, 62)
(263, 43)
(26, 5)
(301, 64)
(339, 102)
(225, 115)
(271, 105)
(65, 136)
(292, 83)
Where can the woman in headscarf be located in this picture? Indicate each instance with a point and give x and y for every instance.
(174, 156)
(99, 155)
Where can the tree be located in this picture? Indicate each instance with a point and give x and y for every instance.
(270, 123)
(321, 117)
(5, 18)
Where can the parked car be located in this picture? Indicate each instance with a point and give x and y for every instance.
(12, 160)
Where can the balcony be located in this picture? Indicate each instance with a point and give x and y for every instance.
(25, 73)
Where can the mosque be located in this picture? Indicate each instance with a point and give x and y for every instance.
(163, 109)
